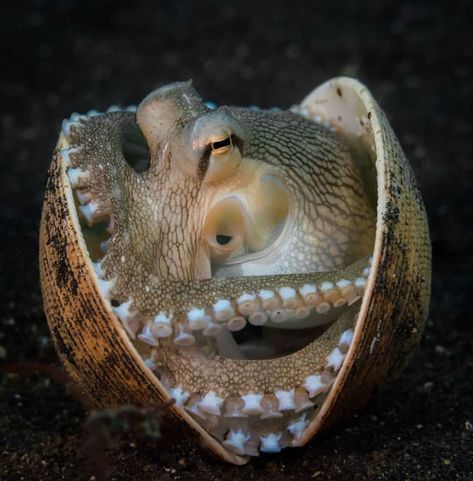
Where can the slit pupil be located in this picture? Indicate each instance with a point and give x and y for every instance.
(221, 143)
(223, 240)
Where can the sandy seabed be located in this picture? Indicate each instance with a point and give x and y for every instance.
(57, 57)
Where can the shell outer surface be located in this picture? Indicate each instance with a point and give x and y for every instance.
(99, 355)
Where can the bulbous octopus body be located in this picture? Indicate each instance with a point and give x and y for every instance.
(233, 246)
(245, 176)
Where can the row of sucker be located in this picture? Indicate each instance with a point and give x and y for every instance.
(92, 209)
(253, 423)
(274, 308)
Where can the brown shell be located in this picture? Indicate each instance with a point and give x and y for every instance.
(99, 355)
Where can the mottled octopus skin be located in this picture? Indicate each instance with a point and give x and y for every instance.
(97, 352)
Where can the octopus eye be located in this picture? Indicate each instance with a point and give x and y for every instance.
(222, 146)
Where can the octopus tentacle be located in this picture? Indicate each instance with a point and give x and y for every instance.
(259, 404)
(199, 305)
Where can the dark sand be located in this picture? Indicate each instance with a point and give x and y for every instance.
(62, 56)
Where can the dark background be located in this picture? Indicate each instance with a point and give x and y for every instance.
(62, 56)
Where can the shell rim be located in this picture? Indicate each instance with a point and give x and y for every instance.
(367, 101)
